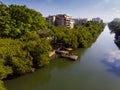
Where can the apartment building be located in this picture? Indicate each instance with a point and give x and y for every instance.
(76, 21)
(83, 20)
(61, 20)
(80, 21)
(51, 19)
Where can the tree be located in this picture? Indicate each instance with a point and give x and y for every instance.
(39, 50)
(2, 87)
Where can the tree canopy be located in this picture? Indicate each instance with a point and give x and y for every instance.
(80, 36)
(17, 21)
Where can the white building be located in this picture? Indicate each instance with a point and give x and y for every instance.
(61, 20)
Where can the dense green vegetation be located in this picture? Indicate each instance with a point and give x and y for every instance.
(18, 21)
(24, 42)
(21, 48)
(114, 26)
(80, 36)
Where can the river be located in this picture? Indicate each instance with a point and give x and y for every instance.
(96, 69)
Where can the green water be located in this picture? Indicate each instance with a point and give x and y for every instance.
(88, 73)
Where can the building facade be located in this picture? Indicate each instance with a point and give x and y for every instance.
(51, 19)
(80, 21)
(61, 20)
(83, 20)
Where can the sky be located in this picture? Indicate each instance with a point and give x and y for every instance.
(105, 9)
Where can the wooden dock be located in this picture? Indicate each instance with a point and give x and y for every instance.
(52, 53)
(69, 49)
(72, 57)
(62, 52)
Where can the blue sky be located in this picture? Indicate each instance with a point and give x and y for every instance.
(106, 9)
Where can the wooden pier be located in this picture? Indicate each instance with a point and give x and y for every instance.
(64, 53)
(72, 57)
(52, 53)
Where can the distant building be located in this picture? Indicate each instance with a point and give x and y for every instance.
(99, 20)
(61, 20)
(83, 20)
(51, 19)
(116, 20)
(76, 21)
(80, 21)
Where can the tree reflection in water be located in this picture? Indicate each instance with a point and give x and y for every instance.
(117, 39)
(112, 59)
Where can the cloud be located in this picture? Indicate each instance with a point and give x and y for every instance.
(113, 58)
(116, 10)
(104, 3)
(110, 14)
(117, 2)
(98, 5)
(107, 1)
(101, 3)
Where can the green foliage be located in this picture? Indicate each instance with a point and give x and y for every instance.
(17, 21)
(14, 56)
(4, 70)
(21, 48)
(22, 24)
(114, 27)
(2, 87)
(21, 65)
(22, 56)
(80, 36)
(39, 50)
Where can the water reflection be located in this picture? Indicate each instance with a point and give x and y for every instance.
(112, 60)
(39, 78)
(117, 40)
(117, 35)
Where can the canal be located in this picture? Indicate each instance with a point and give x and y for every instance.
(98, 68)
